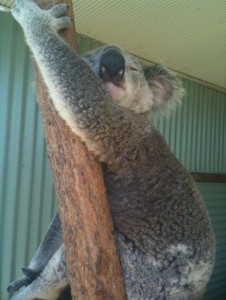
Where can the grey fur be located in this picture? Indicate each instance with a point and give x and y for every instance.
(164, 234)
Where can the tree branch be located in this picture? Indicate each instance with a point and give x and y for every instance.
(92, 261)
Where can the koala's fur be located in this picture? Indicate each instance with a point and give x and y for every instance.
(164, 234)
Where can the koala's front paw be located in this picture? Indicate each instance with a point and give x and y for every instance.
(33, 19)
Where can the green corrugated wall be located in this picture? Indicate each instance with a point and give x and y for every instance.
(195, 133)
(214, 195)
(27, 199)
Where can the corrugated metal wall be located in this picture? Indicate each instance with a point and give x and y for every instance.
(214, 195)
(195, 132)
(27, 198)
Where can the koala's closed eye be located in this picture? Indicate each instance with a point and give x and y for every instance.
(133, 68)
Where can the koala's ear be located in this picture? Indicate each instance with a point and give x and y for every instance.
(166, 87)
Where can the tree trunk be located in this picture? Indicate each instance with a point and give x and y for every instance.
(93, 265)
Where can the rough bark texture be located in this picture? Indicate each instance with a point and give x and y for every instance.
(92, 260)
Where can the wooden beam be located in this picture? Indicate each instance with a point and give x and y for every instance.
(92, 260)
(209, 177)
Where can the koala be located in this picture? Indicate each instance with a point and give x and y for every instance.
(164, 235)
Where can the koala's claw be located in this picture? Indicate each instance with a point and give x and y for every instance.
(58, 10)
(17, 284)
(30, 276)
(62, 22)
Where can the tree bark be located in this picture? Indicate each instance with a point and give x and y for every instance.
(93, 264)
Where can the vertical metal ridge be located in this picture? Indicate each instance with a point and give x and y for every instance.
(5, 77)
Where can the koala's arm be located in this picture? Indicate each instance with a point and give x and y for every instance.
(77, 93)
(49, 245)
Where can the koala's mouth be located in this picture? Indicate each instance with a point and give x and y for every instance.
(115, 90)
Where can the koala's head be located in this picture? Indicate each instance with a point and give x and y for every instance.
(131, 85)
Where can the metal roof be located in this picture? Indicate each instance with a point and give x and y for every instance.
(188, 36)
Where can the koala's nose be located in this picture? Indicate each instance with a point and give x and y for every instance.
(112, 66)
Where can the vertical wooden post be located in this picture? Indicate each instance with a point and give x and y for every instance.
(92, 261)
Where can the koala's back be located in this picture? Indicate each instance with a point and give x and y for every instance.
(164, 233)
